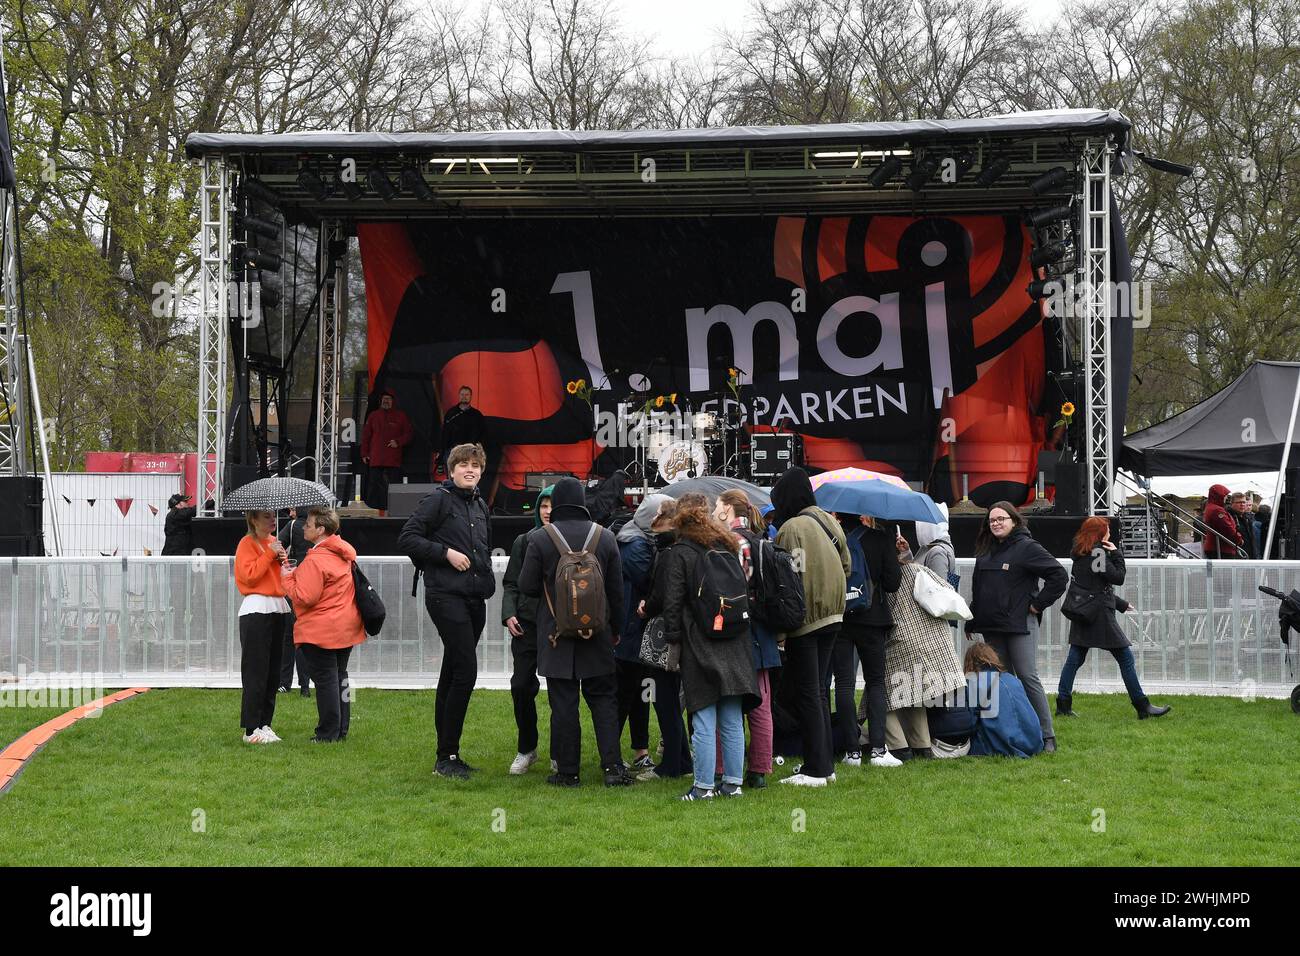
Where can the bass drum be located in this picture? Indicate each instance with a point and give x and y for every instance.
(682, 460)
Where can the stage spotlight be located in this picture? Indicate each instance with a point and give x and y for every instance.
(885, 172)
(1057, 176)
(921, 173)
(261, 227)
(992, 172)
(350, 187)
(261, 260)
(258, 190)
(381, 184)
(1048, 254)
(313, 185)
(1038, 289)
(269, 296)
(1044, 217)
(965, 163)
(413, 182)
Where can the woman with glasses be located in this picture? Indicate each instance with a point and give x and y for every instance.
(1007, 602)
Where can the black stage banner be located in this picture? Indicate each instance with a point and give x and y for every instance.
(903, 344)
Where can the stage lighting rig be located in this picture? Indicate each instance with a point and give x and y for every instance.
(1050, 180)
(262, 227)
(381, 184)
(349, 187)
(1045, 217)
(413, 182)
(256, 189)
(992, 172)
(313, 185)
(886, 171)
(1045, 255)
(921, 173)
(257, 259)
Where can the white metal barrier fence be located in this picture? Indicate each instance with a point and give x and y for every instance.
(1197, 628)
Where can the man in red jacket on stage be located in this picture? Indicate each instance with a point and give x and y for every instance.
(1225, 543)
(387, 431)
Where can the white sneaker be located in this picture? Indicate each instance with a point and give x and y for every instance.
(853, 759)
(522, 762)
(257, 737)
(798, 772)
(803, 780)
(269, 734)
(885, 759)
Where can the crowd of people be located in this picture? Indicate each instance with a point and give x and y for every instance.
(1236, 526)
(683, 609)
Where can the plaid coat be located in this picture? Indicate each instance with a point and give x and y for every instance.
(921, 660)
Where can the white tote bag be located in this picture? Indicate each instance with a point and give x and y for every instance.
(937, 598)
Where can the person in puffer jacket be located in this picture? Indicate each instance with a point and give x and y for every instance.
(328, 624)
(1225, 543)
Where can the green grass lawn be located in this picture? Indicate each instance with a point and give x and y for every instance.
(1212, 784)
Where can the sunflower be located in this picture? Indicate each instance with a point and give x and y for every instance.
(659, 402)
(572, 388)
(1067, 409)
(582, 383)
(673, 398)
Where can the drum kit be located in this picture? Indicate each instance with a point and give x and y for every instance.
(673, 445)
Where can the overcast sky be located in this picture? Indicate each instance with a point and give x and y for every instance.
(690, 27)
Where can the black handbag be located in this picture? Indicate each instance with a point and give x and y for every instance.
(656, 652)
(1085, 607)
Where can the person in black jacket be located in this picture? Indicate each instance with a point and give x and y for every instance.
(573, 665)
(1007, 603)
(1098, 566)
(1241, 514)
(297, 546)
(519, 615)
(178, 532)
(447, 538)
(866, 630)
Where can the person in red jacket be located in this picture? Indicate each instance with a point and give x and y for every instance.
(1224, 544)
(328, 624)
(387, 431)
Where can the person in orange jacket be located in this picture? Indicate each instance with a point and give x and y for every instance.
(384, 436)
(262, 617)
(328, 624)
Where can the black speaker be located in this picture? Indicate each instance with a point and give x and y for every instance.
(403, 499)
(1071, 488)
(21, 511)
(22, 546)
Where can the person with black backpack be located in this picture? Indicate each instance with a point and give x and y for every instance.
(572, 567)
(817, 542)
(706, 612)
(867, 622)
(447, 539)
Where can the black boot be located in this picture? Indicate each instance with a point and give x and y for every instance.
(1146, 709)
(1065, 705)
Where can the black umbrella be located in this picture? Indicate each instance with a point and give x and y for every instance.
(273, 494)
(713, 485)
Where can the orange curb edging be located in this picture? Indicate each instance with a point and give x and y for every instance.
(15, 757)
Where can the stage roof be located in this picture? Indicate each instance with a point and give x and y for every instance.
(750, 170)
(1240, 429)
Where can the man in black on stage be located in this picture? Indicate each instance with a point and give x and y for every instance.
(462, 425)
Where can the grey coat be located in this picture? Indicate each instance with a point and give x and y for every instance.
(711, 668)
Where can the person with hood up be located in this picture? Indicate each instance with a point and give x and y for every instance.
(519, 615)
(1007, 603)
(821, 551)
(573, 666)
(387, 431)
(1223, 538)
(448, 540)
(934, 548)
(636, 549)
(327, 624)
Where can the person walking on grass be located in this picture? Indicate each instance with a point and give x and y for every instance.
(818, 544)
(867, 622)
(448, 539)
(675, 760)
(1007, 602)
(328, 622)
(736, 512)
(262, 617)
(717, 671)
(291, 536)
(519, 615)
(1098, 567)
(577, 664)
(636, 551)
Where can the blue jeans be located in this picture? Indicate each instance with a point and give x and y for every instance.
(1127, 669)
(725, 718)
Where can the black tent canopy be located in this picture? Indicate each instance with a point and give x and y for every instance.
(1240, 429)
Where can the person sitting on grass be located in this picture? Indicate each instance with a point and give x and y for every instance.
(328, 624)
(1008, 724)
